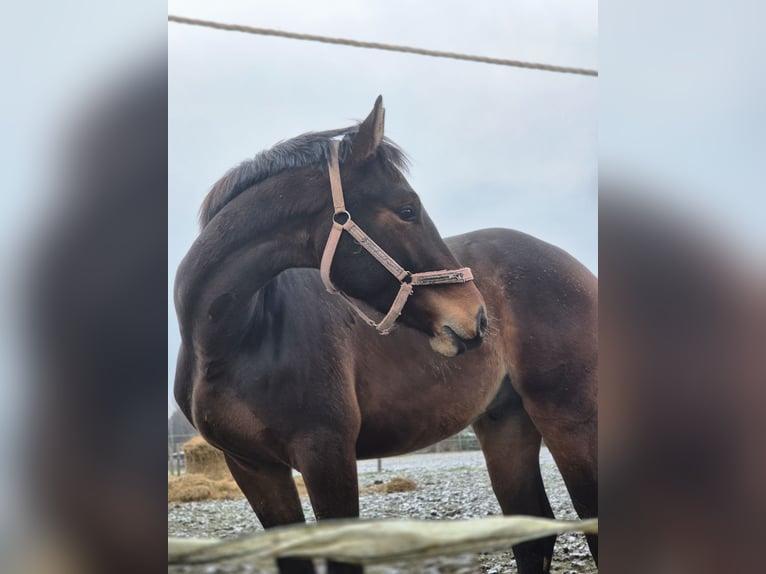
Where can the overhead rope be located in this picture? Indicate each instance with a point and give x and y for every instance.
(380, 46)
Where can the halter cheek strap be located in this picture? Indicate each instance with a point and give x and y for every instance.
(341, 221)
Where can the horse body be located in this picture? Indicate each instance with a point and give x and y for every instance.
(281, 375)
(309, 358)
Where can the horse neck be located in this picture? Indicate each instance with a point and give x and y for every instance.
(256, 236)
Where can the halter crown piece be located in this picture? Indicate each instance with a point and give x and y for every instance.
(341, 220)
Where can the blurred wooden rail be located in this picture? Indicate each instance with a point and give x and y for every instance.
(375, 541)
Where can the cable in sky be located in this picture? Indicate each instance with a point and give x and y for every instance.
(380, 46)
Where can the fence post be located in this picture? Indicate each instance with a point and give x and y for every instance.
(174, 464)
(171, 468)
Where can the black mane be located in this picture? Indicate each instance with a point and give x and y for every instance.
(312, 148)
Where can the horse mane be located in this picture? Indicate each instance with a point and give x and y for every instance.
(312, 148)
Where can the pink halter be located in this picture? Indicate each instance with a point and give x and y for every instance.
(341, 220)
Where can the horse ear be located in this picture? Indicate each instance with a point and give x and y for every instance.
(370, 133)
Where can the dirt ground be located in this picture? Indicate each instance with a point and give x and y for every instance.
(450, 486)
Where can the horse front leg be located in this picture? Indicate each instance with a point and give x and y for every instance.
(271, 491)
(327, 462)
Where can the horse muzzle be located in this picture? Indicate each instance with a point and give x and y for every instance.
(462, 327)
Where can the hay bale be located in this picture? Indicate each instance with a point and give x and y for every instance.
(198, 487)
(203, 458)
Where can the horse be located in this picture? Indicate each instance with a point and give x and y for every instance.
(279, 374)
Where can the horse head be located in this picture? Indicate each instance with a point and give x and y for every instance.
(383, 204)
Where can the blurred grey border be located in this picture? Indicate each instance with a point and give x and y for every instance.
(84, 144)
(682, 246)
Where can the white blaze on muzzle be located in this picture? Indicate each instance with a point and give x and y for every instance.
(341, 220)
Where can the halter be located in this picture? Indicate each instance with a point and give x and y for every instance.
(341, 220)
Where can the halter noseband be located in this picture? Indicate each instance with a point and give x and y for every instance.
(341, 220)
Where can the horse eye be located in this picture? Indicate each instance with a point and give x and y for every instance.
(407, 214)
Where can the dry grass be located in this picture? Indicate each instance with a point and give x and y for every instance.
(396, 484)
(302, 492)
(195, 487)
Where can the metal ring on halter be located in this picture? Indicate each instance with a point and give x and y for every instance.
(341, 212)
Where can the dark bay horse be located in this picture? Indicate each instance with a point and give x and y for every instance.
(281, 375)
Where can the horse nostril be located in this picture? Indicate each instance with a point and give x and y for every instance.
(481, 322)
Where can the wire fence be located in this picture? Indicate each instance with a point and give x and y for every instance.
(462, 441)
(176, 459)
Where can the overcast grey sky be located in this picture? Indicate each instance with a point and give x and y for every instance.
(490, 146)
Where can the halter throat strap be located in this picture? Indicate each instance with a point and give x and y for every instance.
(341, 221)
